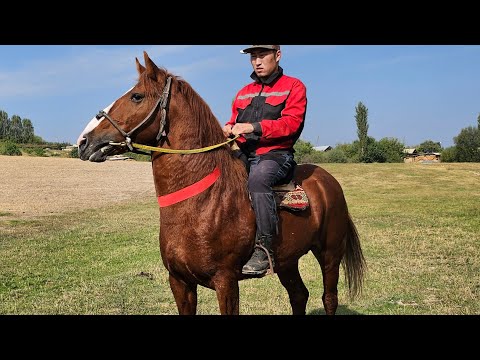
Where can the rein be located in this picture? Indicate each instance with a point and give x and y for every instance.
(174, 151)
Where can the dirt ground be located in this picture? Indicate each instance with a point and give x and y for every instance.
(38, 186)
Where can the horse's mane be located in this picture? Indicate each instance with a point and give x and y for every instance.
(205, 124)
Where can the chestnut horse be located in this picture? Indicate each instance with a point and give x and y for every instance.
(207, 223)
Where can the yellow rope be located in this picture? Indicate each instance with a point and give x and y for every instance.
(191, 151)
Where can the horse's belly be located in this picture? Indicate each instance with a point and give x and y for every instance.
(185, 264)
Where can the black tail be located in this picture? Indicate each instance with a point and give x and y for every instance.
(353, 263)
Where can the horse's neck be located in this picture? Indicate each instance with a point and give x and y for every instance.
(172, 174)
(192, 130)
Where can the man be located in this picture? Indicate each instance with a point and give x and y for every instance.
(269, 116)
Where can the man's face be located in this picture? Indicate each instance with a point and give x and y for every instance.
(265, 61)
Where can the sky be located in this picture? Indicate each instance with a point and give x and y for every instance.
(413, 93)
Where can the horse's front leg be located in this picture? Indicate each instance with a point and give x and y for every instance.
(226, 287)
(185, 296)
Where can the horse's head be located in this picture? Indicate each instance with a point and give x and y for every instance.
(138, 115)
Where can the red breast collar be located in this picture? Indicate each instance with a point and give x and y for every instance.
(189, 191)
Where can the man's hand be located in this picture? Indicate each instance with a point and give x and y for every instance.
(242, 128)
(227, 130)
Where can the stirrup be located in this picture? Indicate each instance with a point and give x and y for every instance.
(270, 271)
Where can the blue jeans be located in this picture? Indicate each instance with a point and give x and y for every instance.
(266, 171)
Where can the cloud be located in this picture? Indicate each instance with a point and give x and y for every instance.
(77, 69)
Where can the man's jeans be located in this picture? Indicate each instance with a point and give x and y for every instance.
(266, 171)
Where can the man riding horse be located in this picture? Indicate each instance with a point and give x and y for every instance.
(269, 114)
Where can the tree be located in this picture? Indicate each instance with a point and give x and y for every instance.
(27, 131)
(350, 150)
(392, 149)
(468, 145)
(3, 124)
(16, 129)
(429, 147)
(478, 121)
(374, 153)
(449, 154)
(302, 148)
(361, 118)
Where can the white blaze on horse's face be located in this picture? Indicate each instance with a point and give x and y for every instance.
(95, 122)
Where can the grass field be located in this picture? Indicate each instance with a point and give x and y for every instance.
(419, 226)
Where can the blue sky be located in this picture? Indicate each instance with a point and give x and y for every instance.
(413, 93)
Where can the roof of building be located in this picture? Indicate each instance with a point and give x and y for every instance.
(322, 148)
(410, 151)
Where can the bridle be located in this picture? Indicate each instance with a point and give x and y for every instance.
(161, 103)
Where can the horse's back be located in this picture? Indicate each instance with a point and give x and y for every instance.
(318, 183)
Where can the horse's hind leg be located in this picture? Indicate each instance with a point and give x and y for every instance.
(297, 291)
(330, 265)
(185, 296)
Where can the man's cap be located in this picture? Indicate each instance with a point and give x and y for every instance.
(252, 47)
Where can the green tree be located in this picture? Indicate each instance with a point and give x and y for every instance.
(478, 121)
(16, 129)
(468, 145)
(361, 117)
(449, 154)
(350, 150)
(392, 149)
(3, 124)
(374, 153)
(38, 140)
(302, 149)
(429, 147)
(28, 131)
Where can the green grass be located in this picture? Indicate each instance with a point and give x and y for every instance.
(419, 227)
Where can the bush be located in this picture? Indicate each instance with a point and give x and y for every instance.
(315, 157)
(449, 154)
(336, 156)
(35, 151)
(8, 147)
(74, 153)
(302, 151)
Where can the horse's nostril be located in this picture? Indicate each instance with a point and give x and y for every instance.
(82, 143)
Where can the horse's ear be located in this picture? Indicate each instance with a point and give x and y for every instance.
(140, 67)
(150, 67)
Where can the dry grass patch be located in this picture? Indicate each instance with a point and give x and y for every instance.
(419, 227)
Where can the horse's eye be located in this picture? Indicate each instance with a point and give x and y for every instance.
(136, 97)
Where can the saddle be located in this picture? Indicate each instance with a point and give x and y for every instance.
(290, 195)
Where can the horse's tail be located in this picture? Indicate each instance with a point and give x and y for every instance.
(353, 263)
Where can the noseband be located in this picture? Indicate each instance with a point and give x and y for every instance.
(161, 102)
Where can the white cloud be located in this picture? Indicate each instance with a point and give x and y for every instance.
(79, 69)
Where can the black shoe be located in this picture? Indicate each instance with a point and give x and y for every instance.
(258, 263)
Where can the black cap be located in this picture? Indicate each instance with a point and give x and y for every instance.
(252, 47)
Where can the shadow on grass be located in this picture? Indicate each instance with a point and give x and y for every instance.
(341, 310)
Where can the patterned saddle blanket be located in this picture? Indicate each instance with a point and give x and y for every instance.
(291, 197)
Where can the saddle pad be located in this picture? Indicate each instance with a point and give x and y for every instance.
(295, 200)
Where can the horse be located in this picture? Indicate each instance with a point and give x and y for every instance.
(207, 222)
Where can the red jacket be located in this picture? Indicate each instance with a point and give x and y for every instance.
(276, 108)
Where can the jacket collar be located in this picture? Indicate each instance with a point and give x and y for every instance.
(270, 79)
